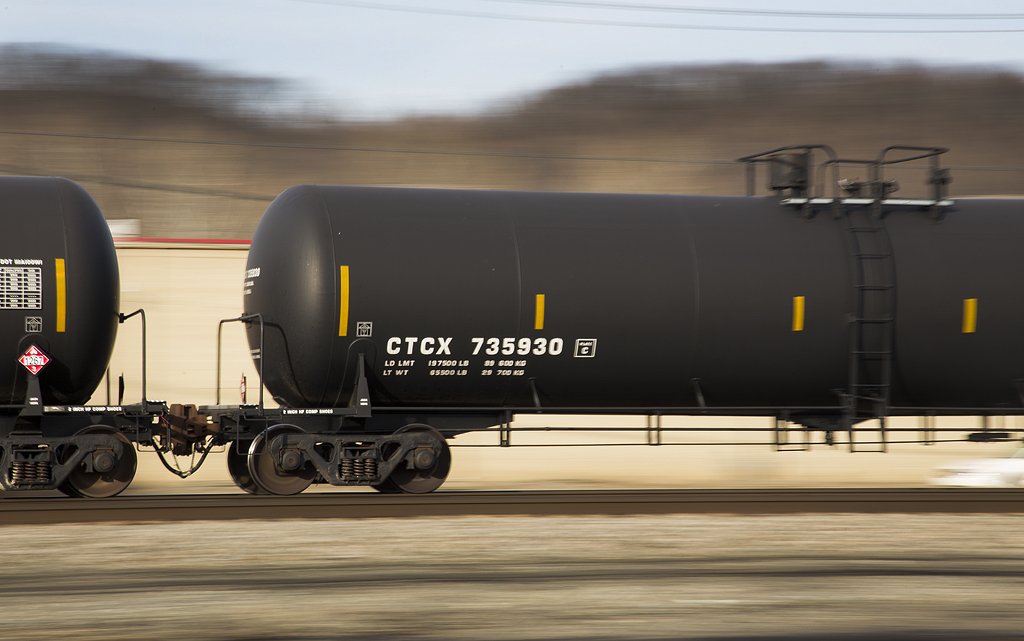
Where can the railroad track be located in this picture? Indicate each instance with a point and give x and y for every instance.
(218, 507)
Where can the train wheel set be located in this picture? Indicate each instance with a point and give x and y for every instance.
(284, 460)
(386, 321)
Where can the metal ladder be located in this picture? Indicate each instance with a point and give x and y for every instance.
(872, 323)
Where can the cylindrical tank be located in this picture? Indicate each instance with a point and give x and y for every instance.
(490, 298)
(59, 288)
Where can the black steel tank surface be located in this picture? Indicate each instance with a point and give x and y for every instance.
(59, 288)
(497, 298)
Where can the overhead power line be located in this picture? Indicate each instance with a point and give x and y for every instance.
(21, 170)
(775, 13)
(376, 6)
(382, 150)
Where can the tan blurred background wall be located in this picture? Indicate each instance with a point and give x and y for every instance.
(185, 293)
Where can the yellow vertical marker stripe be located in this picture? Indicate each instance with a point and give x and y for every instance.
(62, 296)
(343, 297)
(970, 315)
(538, 320)
(798, 313)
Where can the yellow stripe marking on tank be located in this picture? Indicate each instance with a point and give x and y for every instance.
(62, 297)
(798, 313)
(343, 297)
(538, 319)
(970, 315)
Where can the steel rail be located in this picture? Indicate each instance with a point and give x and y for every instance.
(20, 510)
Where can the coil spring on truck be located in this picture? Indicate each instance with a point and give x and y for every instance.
(355, 467)
(24, 472)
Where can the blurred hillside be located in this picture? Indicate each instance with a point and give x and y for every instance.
(193, 153)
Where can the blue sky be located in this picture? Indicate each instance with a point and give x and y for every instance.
(383, 59)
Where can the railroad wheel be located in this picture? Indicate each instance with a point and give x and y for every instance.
(268, 474)
(110, 475)
(387, 487)
(66, 489)
(238, 468)
(429, 471)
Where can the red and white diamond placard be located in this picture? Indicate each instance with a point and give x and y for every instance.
(34, 359)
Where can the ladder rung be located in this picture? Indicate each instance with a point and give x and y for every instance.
(872, 256)
(875, 288)
(887, 319)
(873, 352)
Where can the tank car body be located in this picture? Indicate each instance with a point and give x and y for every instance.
(587, 302)
(60, 288)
